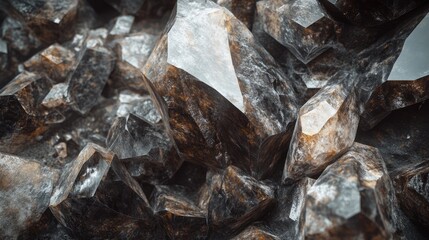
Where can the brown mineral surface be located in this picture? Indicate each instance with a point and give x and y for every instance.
(214, 119)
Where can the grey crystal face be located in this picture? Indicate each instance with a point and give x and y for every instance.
(420, 184)
(3, 46)
(305, 12)
(122, 25)
(193, 48)
(136, 48)
(102, 106)
(413, 63)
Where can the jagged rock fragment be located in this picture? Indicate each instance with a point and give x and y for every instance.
(299, 25)
(412, 190)
(136, 48)
(121, 25)
(55, 61)
(237, 201)
(21, 115)
(50, 20)
(87, 81)
(144, 149)
(81, 177)
(408, 81)
(25, 189)
(255, 233)
(138, 105)
(326, 127)
(181, 217)
(353, 198)
(287, 219)
(225, 101)
(21, 40)
(243, 10)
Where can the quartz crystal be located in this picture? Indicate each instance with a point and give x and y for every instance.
(353, 192)
(326, 127)
(238, 200)
(23, 199)
(49, 20)
(231, 121)
(182, 218)
(144, 149)
(412, 189)
(214, 119)
(299, 25)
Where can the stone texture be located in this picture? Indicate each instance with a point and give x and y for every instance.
(407, 83)
(87, 81)
(230, 103)
(144, 149)
(412, 190)
(254, 233)
(148, 122)
(369, 14)
(50, 20)
(326, 128)
(400, 137)
(243, 10)
(287, 219)
(21, 117)
(143, 8)
(121, 25)
(182, 218)
(299, 25)
(55, 61)
(237, 201)
(353, 198)
(23, 199)
(81, 177)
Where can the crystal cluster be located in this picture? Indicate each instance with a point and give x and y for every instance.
(214, 119)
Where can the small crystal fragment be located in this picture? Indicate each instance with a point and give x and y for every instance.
(239, 200)
(136, 48)
(81, 177)
(55, 61)
(326, 127)
(354, 191)
(144, 149)
(122, 25)
(87, 81)
(50, 20)
(181, 217)
(25, 189)
(299, 25)
(412, 190)
(254, 233)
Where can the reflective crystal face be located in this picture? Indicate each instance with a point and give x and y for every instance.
(204, 49)
(335, 201)
(214, 119)
(413, 63)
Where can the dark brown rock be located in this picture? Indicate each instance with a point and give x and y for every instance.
(182, 218)
(353, 198)
(237, 201)
(299, 25)
(231, 122)
(49, 20)
(23, 199)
